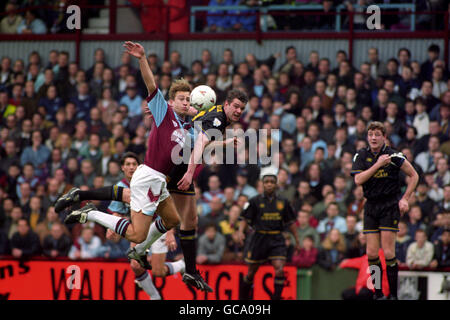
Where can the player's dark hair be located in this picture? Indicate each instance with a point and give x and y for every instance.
(237, 94)
(129, 155)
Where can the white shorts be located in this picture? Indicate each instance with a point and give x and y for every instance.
(148, 189)
(159, 246)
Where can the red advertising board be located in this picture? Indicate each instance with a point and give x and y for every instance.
(94, 280)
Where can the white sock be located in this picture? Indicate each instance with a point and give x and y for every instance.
(154, 234)
(146, 283)
(116, 224)
(175, 267)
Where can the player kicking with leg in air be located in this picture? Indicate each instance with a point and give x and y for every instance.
(129, 163)
(148, 185)
(118, 194)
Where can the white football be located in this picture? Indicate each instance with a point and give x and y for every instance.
(203, 97)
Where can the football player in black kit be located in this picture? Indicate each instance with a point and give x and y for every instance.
(377, 169)
(269, 215)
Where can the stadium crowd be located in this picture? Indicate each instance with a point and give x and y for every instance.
(50, 16)
(62, 126)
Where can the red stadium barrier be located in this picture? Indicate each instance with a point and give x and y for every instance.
(94, 280)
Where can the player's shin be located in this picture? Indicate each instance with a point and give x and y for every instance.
(188, 243)
(157, 229)
(105, 193)
(146, 283)
(392, 275)
(117, 224)
(278, 287)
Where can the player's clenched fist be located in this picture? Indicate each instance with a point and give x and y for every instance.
(383, 160)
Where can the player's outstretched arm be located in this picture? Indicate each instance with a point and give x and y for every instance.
(138, 51)
(196, 157)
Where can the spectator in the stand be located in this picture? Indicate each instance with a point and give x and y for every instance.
(213, 216)
(31, 24)
(332, 221)
(439, 85)
(402, 242)
(92, 152)
(441, 257)
(352, 233)
(291, 59)
(214, 189)
(357, 204)
(196, 72)
(224, 80)
(211, 246)
(6, 108)
(114, 174)
(426, 69)
(306, 257)
(86, 246)
(420, 253)
(12, 20)
(437, 227)
(306, 152)
(426, 92)
(444, 204)
(87, 175)
(425, 159)
(228, 227)
(242, 186)
(52, 102)
(36, 154)
(132, 100)
(332, 251)
(357, 247)
(28, 175)
(415, 220)
(36, 214)
(57, 243)
(178, 70)
(24, 243)
(421, 120)
(116, 248)
(304, 229)
(12, 221)
(285, 189)
(83, 101)
(442, 174)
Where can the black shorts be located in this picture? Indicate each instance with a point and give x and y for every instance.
(262, 247)
(174, 176)
(381, 215)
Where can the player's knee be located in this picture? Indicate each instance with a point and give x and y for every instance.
(193, 220)
(136, 267)
(388, 253)
(372, 253)
(138, 238)
(172, 221)
(158, 271)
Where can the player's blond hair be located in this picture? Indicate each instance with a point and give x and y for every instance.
(179, 85)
